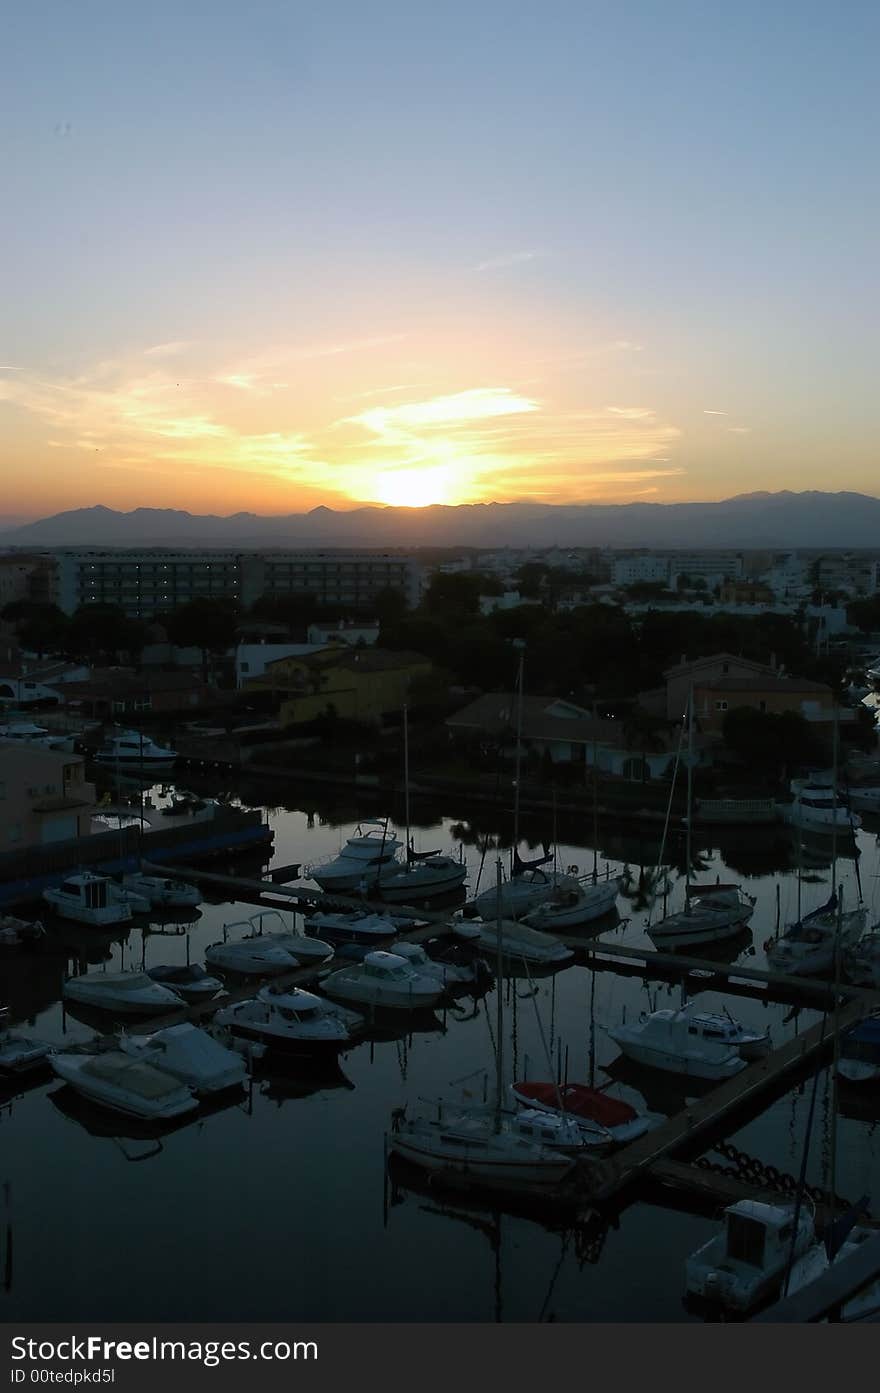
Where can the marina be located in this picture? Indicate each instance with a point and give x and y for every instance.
(662, 1188)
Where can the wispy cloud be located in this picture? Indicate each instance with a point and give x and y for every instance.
(168, 350)
(740, 430)
(626, 346)
(707, 412)
(632, 413)
(500, 263)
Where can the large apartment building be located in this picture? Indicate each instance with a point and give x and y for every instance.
(144, 583)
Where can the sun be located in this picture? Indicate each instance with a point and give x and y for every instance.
(415, 488)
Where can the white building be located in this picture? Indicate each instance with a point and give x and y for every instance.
(647, 568)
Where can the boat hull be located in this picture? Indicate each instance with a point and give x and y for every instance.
(654, 1057)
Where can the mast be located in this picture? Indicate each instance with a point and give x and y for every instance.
(690, 801)
(834, 758)
(595, 818)
(518, 643)
(406, 774)
(499, 989)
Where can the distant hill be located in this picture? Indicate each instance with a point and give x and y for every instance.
(754, 520)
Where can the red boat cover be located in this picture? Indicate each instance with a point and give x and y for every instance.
(580, 1101)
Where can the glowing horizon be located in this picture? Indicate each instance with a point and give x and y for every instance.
(435, 258)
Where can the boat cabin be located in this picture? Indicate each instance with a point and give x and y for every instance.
(388, 966)
(89, 890)
(759, 1235)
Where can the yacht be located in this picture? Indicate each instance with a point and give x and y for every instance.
(88, 899)
(604, 1121)
(575, 901)
(291, 1021)
(367, 857)
(125, 993)
(303, 949)
(521, 942)
(384, 979)
(19, 1053)
(711, 914)
(159, 891)
(449, 975)
(812, 944)
(16, 933)
(191, 982)
(250, 957)
(425, 875)
(131, 749)
(745, 1263)
(522, 893)
(858, 1061)
(691, 1042)
(190, 1055)
(475, 1145)
(816, 808)
(124, 1084)
(357, 927)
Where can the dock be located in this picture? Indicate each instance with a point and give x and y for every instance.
(636, 1161)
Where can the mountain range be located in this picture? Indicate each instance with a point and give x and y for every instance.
(755, 520)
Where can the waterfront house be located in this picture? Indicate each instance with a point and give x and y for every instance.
(44, 796)
(356, 684)
(773, 695)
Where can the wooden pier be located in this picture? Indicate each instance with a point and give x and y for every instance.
(638, 1159)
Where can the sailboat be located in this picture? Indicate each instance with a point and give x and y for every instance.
(813, 942)
(578, 900)
(710, 915)
(528, 885)
(425, 873)
(498, 1147)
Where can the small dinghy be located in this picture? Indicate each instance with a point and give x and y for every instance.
(604, 1121)
(19, 1053)
(19, 933)
(161, 892)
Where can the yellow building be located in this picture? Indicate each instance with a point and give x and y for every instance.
(44, 796)
(355, 684)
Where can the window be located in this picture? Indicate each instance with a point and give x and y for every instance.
(725, 668)
(762, 706)
(245, 667)
(721, 706)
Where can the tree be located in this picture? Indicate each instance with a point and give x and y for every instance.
(40, 628)
(105, 631)
(865, 614)
(459, 593)
(209, 625)
(771, 742)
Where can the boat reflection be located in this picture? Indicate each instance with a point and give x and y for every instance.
(664, 1093)
(282, 1078)
(105, 1122)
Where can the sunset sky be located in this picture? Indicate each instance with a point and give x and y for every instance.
(272, 255)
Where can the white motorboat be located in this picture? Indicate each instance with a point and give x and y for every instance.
(357, 927)
(125, 1084)
(605, 1122)
(303, 949)
(815, 1262)
(711, 914)
(812, 944)
(123, 894)
(746, 1262)
(521, 943)
(124, 993)
(692, 1042)
(475, 1145)
(523, 892)
(385, 980)
(19, 1053)
(816, 807)
(26, 733)
(160, 891)
(257, 957)
(575, 900)
(367, 857)
(449, 975)
(424, 876)
(861, 960)
(16, 933)
(190, 1055)
(88, 899)
(858, 1060)
(131, 749)
(291, 1021)
(191, 982)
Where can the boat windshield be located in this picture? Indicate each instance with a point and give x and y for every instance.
(746, 1240)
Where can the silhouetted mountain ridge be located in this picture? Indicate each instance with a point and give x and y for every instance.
(753, 520)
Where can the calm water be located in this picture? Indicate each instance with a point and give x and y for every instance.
(276, 1207)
